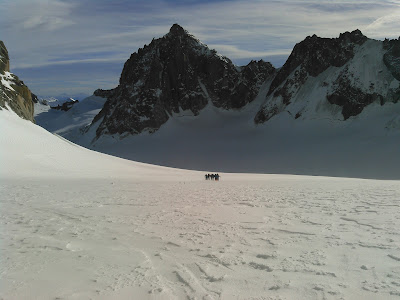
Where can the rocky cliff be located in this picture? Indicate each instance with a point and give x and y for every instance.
(172, 74)
(349, 72)
(13, 92)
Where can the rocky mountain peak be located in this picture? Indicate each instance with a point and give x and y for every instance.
(176, 73)
(177, 30)
(356, 37)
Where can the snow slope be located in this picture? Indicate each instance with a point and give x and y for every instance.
(365, 146)
(69, 124)
(77, 224)
(366, 71)
(32, 152)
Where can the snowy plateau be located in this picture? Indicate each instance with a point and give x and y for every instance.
(78, 224)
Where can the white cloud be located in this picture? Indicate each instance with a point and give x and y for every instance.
(386, 26)
(40, 14)
(234, 52)
(73, 61)
(46, 22)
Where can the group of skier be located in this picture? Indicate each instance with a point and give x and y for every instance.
(212, 177)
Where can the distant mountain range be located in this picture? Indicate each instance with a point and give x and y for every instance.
(64, 96)
(331, 109)
(179, 73)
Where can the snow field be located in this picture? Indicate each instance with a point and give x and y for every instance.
(77, 224)
(245, 237)
(29, 151)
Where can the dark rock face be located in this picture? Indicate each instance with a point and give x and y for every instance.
(266, 113)
(314, 55)
(4, 58)
(66, 106)
(392, 57)
(35, 98)
(14, 92)
(350, 98)
(173, 73)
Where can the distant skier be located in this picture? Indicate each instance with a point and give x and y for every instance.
(217, 177)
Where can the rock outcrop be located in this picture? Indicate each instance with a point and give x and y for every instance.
(172, 74)
(66, 106)
(392, 56)
(13, 92)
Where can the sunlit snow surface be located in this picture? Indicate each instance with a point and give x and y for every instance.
(77, 224)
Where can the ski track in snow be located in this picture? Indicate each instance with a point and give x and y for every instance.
(275, 237)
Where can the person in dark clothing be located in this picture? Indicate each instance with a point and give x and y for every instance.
(215, 177)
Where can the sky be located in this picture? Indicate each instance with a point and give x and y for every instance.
(71, 48)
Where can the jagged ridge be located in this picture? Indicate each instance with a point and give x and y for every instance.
(173, 73)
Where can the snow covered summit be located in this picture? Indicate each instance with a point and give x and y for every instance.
(343, 74)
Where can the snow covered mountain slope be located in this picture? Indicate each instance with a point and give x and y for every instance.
(364, 146)
(76, 224)
(69, 124)
(29, 151)
(334, 77)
